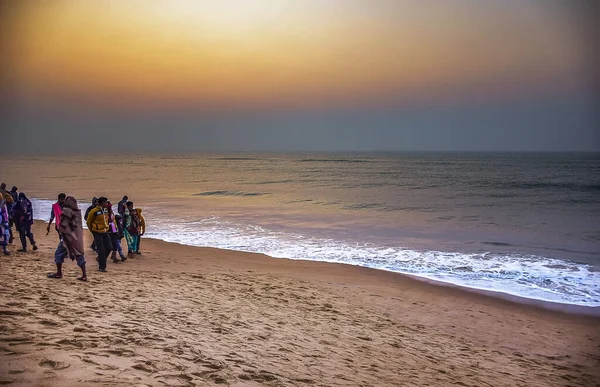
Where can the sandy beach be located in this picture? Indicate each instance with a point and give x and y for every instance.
(331, 193)
(188, 316)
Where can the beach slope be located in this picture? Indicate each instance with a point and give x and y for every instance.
(188, 316)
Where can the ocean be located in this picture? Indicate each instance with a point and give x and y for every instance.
(524, 224)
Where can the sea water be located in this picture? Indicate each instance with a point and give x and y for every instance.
(521, 224)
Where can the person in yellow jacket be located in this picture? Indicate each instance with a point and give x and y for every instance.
(97, 223)
(141, 228)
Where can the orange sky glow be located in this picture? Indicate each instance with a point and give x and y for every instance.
(275, 52)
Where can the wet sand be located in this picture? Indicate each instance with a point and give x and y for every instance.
(187, 316)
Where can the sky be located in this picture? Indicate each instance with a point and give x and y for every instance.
(111, 76)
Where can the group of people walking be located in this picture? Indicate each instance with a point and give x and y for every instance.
(108, 228)
(15, 209)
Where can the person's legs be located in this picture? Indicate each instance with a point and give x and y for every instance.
(22, 236)
(59, 257)
(107, 247)
(98, 240)
(130, 242)
(137, 244)
(81, 264)
(5, 238)
(10, 223)
(113, 247)
(30, 236)
(120, 250)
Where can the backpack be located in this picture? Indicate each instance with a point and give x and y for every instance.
(9, 199)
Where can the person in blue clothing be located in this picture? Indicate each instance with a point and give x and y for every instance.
(23, 218)
(4, 230)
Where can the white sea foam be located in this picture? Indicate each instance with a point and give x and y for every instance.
(529, 276)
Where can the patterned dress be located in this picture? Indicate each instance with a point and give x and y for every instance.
(130, 229)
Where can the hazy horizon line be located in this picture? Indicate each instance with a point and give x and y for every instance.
(301, 152)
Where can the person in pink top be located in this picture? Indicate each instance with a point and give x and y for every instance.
(55, 213)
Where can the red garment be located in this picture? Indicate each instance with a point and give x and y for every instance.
(57, 212)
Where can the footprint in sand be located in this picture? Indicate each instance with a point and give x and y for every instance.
(217, 379)
(55, 365)
(50, 323)
(261, 376)
(175, 379)
(86, 359)
(14, 313)
(120, 352)
(146, 366)
(106, 367)
(16, 340)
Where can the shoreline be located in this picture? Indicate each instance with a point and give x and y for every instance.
(545, 304)
(183, 315)
(589, 311)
